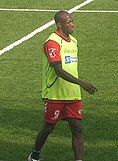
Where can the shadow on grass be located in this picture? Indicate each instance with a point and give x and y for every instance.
(13, 152)
(19, 124)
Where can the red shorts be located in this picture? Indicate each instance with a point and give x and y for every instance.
(57, 111)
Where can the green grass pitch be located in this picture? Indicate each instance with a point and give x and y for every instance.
(21, 110)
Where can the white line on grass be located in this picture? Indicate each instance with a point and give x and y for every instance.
(38, 30)
(42, 10)
(27, 10)
(97, 11)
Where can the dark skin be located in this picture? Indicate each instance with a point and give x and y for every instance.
(65, 25)
(70, 78)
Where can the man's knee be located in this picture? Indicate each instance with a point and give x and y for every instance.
(76, 130)
(75, 126)
(48, 128)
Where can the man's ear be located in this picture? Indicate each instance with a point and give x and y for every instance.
(59, 25)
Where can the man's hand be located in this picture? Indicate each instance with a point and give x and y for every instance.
(88, 87)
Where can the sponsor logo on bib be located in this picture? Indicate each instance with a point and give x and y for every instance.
(70, 59)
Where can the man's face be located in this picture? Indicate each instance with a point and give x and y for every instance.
(66, 24)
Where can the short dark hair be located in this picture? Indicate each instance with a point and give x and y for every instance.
(57, 16)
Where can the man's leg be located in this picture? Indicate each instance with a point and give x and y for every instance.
(43, 135)
(40, 141)
(77, 137)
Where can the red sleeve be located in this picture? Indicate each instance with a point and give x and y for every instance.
(52, 51)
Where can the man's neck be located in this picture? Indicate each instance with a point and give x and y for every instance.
(63, 35)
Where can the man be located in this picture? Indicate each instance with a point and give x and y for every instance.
(61, 86)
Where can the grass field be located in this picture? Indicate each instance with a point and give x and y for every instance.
(21, 110)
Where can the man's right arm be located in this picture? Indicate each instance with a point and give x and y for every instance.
(52, 51)
(70, 78)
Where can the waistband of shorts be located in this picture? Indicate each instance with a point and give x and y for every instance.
(61, 101)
